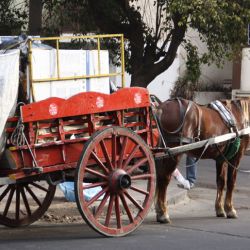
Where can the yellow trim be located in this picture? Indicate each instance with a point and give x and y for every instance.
(98, 52)
(12, 177)
(76, 37)
(57, 59)
(74, 77)
(12, 148)
(122, 62)
(58, 78)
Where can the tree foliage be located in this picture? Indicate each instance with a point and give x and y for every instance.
(154, 30)
(13, 17)
(154, 36)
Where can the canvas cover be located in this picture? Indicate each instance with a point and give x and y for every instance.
(9, 79)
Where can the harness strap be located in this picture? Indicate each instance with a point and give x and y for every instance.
(197, 138)
(182, 114)
(155, 102)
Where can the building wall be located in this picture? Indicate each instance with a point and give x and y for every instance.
(164, 82)
(209, 74)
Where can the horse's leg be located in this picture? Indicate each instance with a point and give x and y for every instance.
(231, 179)
(220, 180)
(164, 169)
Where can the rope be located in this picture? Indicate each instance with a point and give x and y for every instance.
(17, 137)
(230, 164)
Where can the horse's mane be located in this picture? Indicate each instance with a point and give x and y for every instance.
(244, 104)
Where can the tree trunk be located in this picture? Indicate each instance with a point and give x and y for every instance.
(35, 17)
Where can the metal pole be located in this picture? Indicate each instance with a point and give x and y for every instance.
(122, 61)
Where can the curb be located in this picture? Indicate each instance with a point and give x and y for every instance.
(63, 211)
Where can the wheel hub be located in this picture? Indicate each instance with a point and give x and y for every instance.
(125, 181)
(119, 180)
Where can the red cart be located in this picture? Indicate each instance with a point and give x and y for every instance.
(104, 141)
(97, 140)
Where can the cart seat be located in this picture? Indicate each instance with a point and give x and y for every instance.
(85, 103)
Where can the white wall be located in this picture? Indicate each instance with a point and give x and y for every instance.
(209, 74)
(162, 84)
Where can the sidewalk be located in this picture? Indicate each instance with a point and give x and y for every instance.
(63, 211)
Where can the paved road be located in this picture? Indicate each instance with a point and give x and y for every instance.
(194, 225)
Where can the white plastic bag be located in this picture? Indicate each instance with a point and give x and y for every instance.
(67, 188)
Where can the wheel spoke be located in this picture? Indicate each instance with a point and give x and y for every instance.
(9, 201)
(133, 200)
(110, 208)
(121, 156)
(142, 176)
(17, 209)
(137, 165)
(101, 205)
(5, 192)
(124, 202)
(98, 161)
(17, 202)
(130, 156)
(96, 184)
(114, 150)
(25, 201)
(33, 196)
(105, 153)
(40, 187)
(91, 171)
(139, 190)
(118, 212)
(97, 196)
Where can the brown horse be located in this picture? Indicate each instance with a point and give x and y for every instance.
(184, 121)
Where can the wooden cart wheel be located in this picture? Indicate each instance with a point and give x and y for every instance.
(117, 166)
(24, 203)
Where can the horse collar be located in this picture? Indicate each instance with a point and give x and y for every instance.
(183, 114)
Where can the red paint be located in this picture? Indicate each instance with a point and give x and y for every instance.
(85, 103)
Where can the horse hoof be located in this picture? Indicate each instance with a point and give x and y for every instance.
(163, 219)
(221, 215)
(220, 212)
(232, 215)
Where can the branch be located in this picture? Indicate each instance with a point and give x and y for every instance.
(121, 19)
(177, 34)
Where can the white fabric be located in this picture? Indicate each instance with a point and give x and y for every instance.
(71, 63)
(9, 79)
(98, 84)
